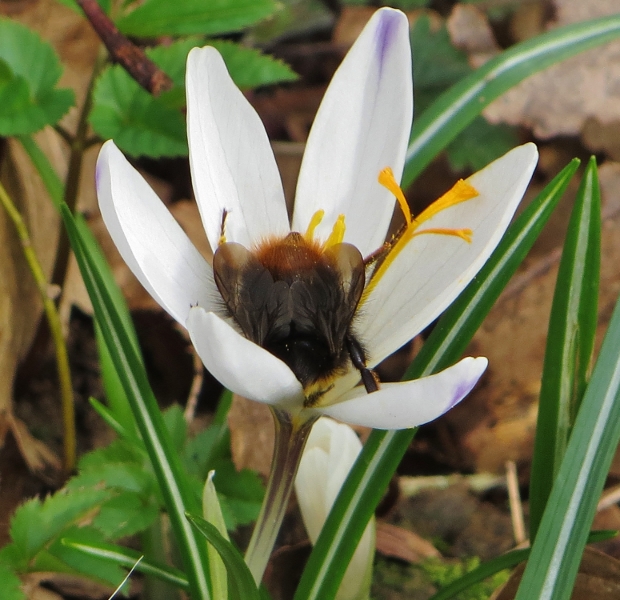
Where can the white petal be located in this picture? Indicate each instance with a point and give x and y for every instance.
(233, 167)
(410, 403)
(362, 126)
(331, 450)
(432, 270)
(151, 242)
(240, 365)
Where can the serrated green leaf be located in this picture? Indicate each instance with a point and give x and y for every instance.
(118, 451)
(241, 493)
(249, 68)
(479, 144)
(126, 514)
(129, 477)
(36, 523)
(437, 64)
(187, 17)
(29, 72)
(570, 341)
(241, 585)
(140, 124)
(10, 584)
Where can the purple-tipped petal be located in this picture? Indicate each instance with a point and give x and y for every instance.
(242, 366)
(410, 403)
(362, 126)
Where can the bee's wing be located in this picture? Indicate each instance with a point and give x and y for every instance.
(258, 304)
(325, 299)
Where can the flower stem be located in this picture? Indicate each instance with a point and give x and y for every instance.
(290, 440)
(62, 360)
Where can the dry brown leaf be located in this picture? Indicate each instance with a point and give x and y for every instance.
(403, 544)
(251, 435)
(598, 577)
(470, 31)
(72, 586)
(559, 100)
(20, 303)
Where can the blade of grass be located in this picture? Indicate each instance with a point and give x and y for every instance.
(463, 102)
(570, 341)
(174, 485)
(127, 558)
(384, 449)
(241, 584)
(554, 561)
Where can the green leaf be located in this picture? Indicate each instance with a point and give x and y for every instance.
(176, 426)
(128, 477)
(571, 506)
(36, 523)
(10, 584)
(87, 565)
(499, 563)
(127, 558)
(437, 64)
(250, 68)
(241, 585)
(48, 175)
(173, 482)
(383, 450)
(162, 17)
(29, 72)
(570, 341)
(463, 102)
(117, 399)
(240, 491)
(212, 512)
(125, 514)
(140, 124)
(479, 144)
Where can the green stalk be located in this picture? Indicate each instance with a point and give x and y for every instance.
(62, 359)
(290, 440)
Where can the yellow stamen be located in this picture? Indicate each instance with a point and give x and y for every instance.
(316, 219)
(387, 180)
(464, 234)
(460, 192)
(337, 234)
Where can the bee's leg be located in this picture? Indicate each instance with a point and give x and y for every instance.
(369, 379)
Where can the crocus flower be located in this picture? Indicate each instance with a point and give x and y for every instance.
(330, 452)
(294, 313)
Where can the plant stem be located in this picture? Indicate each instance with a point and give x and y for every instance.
(290, 440)
(72, 180)
(62, 360)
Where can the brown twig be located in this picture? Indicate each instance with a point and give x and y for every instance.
(514, 499)
(125, 52)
